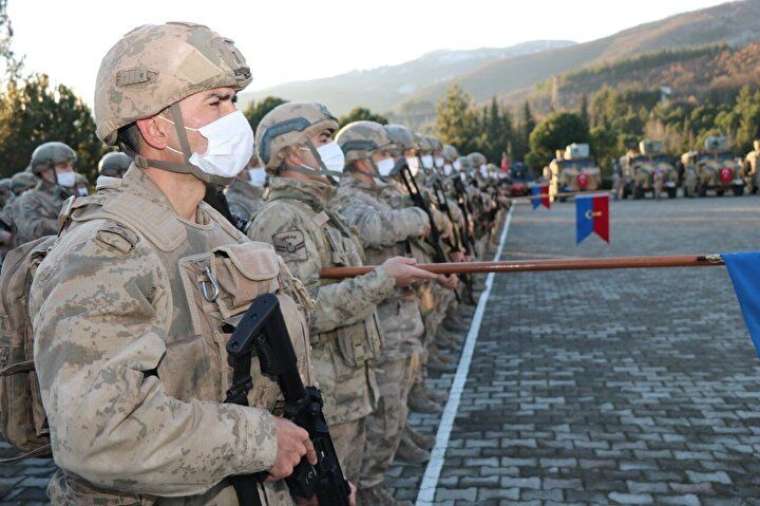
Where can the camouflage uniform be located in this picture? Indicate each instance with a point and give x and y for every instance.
(132, 307)
(344, 329)
(384, 232)
(244, 201)
(309, 236)
(35, 213)
(131, 353)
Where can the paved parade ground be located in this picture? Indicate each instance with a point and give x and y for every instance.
(626, 387)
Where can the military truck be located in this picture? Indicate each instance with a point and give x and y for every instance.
(750, 172)
(649, 170)
(572, 170)
(713, 169)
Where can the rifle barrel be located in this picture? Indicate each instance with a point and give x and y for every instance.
(576, 264)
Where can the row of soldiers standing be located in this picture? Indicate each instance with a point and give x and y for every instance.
(339, 198)
(130, 286)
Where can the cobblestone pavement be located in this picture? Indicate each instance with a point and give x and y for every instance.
(627, 387)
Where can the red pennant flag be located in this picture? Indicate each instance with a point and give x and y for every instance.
(545, 200)
(602, 216)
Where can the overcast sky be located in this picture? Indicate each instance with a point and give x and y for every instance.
(285, 40)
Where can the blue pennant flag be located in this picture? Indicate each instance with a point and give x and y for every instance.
(535, 199)
(744, 269)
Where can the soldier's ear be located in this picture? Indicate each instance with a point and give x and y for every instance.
(155, 131)
(293, 157)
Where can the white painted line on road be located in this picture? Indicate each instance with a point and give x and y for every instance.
(426, 495)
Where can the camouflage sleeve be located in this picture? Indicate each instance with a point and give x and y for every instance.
(298, 243)
(456, 211)
(102, 311)
(442, 222)
(378, 227)
(31, 222)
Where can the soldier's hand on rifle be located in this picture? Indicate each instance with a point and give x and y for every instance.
(405, 273)
(292, 444)
(451, 281)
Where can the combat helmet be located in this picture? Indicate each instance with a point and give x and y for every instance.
(450, 153)
(114, 164)
(151, 69)
(361, 139)
(292, 124)
(477, 160)
(47, 155)
(402, 137)
(23, 181)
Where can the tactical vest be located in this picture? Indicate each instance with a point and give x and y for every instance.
(341, 356)
(214, 272)
(360, 342)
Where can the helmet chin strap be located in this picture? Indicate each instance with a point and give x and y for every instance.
(376, 170)
(317, 174)
(184, 167)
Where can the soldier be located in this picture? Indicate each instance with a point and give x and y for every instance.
(295, 143)
(22, 181)
(81, 185)
(385, 232)
(6, 192)
(128, 307)
(246, 193)
(34, 213)
(113, 164)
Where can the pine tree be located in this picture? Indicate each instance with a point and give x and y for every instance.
(456, 122)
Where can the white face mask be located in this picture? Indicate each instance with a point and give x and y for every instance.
(332, 156)
(66, 179)
(384, 167)
(230, 145)
(257, 176)
(457, 164)
(82, 191)
(439, 161)
(484, 170)
(414, 165)
(427, 161)
(463, 177)
(448, 169)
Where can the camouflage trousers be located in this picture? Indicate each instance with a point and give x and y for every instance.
(349, 439)
(386, 424)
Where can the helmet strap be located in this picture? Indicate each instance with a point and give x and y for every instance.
(184, 167)
(331, 176)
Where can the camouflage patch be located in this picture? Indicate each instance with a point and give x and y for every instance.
(117, 237)
(291, 245)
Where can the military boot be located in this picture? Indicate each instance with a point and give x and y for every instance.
(378, 495)
(410, 453)
(449, 340)
(454, 323)
(419, 402)
(437, 397)
(434, 364)
(418, 438)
